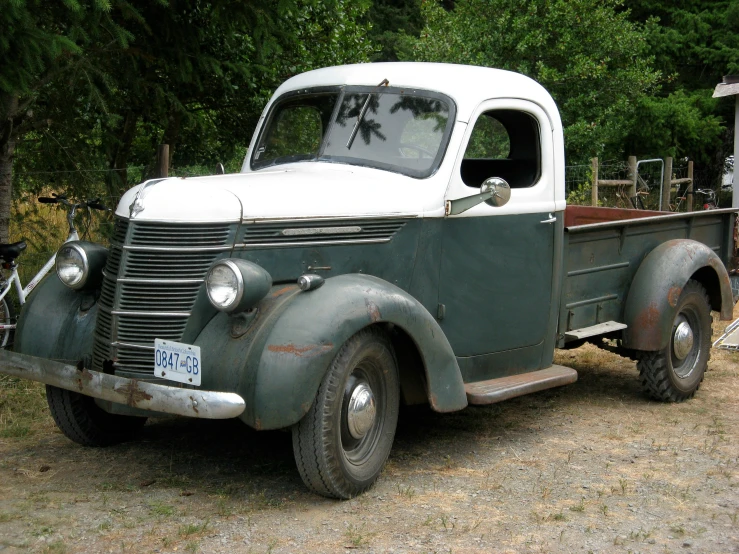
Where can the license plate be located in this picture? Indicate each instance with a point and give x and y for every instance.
(177, 362)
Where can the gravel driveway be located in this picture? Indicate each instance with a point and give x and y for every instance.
(592, 467)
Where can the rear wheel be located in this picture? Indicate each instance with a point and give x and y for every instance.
(675, 373)
(342, 443)
(84, 422)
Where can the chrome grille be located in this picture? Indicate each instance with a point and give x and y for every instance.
(133, 329)
(135, 307)
(168, 265)
(320, 232)
(168, 234)
(170, 297)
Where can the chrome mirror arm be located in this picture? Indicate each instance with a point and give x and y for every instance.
(494, 191)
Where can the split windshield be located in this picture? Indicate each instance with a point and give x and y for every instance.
(393, 129)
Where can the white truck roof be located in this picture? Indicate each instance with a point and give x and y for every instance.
(466, 85)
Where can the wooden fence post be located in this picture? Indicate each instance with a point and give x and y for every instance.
(690, 186)
(594, 190)
(163, 160)
(666, 186)
(632, 177)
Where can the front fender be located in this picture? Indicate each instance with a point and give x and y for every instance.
(57, 322)
(278, 364)
(652, 300)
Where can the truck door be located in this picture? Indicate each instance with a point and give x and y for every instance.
(496, 271)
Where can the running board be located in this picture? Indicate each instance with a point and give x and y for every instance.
(503, 388)
(595, 330)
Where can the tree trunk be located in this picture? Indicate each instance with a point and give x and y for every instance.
(118, 155)
(8, 109)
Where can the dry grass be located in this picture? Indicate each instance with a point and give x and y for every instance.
(44, 228)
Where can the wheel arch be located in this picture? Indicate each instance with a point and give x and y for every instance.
(652, 298)
(278, 365)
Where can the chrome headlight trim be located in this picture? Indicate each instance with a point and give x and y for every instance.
(239, 286)
(253, 283)
(82, 280)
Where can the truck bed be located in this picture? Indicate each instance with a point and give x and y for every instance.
(603, 248)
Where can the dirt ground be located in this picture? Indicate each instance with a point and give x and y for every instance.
(591, 467)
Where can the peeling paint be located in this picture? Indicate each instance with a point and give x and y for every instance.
(674, 295)
(301, 351)
(373, 311)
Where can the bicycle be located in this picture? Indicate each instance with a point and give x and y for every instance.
(9, 253)
(710, 202)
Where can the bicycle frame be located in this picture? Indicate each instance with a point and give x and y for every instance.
(24, 292)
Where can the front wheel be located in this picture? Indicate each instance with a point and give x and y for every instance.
(342, 443)
(7, 317)
(84, 422)
(675, 373)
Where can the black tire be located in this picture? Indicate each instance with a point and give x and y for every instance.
(332, 460)
(84, 422)
(673, 376)
(7, 316)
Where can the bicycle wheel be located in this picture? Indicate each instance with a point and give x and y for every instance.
(7, 317)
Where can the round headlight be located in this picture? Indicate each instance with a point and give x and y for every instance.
(224, 285)
(72, 266)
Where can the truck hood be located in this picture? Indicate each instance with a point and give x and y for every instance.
(294, 191)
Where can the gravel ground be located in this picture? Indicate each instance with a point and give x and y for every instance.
(592, 467)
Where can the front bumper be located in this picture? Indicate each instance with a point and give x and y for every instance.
(131, 392)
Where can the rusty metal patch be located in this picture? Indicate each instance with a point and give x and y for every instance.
(133, 393)
(283, 290)
(301, 351)
(673, 295)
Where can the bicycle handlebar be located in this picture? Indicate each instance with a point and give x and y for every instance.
(94, 203)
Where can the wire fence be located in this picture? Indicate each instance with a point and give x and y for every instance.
(579, 183)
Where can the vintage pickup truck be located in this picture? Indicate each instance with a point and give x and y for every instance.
(398, 234)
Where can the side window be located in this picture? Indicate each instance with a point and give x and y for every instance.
(489, 139)
(506, 144)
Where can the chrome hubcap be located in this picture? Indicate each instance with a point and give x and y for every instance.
(361, 411)
(682, 340)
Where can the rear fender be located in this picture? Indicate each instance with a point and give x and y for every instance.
(278, 363)
(652, 299)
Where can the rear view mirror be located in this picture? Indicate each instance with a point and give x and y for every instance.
(499, 190)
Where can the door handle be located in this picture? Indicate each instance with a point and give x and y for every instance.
(551, 219)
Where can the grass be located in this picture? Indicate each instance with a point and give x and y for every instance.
(22, 408)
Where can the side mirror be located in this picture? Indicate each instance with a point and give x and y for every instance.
(220, 170)
(499, 190)
(494, 192)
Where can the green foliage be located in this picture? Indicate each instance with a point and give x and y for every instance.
(391, 20)
(694, 44)
(682, 124)
(191, 74)
(587, 53)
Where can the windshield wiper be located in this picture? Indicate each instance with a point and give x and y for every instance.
(363, 111)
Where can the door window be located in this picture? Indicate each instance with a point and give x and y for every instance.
(506, 144)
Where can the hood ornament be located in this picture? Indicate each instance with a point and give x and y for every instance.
(137, 206)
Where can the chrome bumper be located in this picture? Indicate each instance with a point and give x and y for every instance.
(131, 392)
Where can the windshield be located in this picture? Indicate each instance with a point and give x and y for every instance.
(394, 129)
